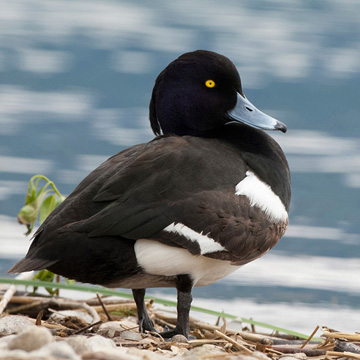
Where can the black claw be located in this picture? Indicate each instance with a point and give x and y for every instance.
(167, 334)
(146, 324)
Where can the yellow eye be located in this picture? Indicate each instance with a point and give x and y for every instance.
(210, 83)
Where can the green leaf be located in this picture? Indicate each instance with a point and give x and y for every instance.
(45, 276)
(70, 281)
(60, 199)
(37, 202)
(48, 205)
(28, 214)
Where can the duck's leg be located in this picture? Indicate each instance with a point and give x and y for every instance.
(184, 286)
(145, 323)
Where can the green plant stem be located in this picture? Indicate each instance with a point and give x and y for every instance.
(49, 183)
(128, 295)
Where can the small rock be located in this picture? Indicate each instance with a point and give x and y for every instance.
(5, 340)
(15, 355)
(299, 356)
(178, 350)
(110, 329)
(145, 354)
(204, 350)
(79, 343)
(115, 354)
(32, 338)
(14, 324)
(61, 350)
(179, 338)
(259, 355)
(128, 324)
(60, 315)
(114, 328)
(98, 343)
(130, 335)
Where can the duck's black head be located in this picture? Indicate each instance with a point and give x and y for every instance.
(200, 92)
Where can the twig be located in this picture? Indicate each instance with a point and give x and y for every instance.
(328, 344)
(39, 317)
(255, 338)
(48, 325)
(61, 304)
(199, 342)
(262, 339)
(252, 327)
(103, 307)
(164, 323)
(340, 335)
(87, 327)
(343, 354)
(25, 299)
(233, 342)
(112, 301)
(290, 349)
(57, 291)
(114, 307)
(12, 290)
(91, 311)
(310, 337)
(273, 351)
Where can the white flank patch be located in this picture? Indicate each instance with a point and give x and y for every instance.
(160, 259)
(261, 195)
(207, 244)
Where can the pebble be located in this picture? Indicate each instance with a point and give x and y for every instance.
(130, 335)
(57, 350)
(5, 340)
(98, 343)
(32, 338)
(260, 355)
(25, 341)
(15, 355)
(298, 356)
(118, 354)
(113, 329)
(145, 354)
(60, 315)
(204, 350)
(179, 338)
(14, 324)
(79, 343)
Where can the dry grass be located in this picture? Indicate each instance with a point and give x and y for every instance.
(222, 343)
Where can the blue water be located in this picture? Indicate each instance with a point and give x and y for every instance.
(75, 83)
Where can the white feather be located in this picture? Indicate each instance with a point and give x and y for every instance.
(206, 243)
(160, 259)
(260, 194)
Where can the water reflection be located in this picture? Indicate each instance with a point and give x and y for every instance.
(17, 101)
(318, 152)
(12, 164)
(75, 83)
(286, 40)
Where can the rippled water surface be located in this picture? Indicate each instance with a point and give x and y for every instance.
(75, 83)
